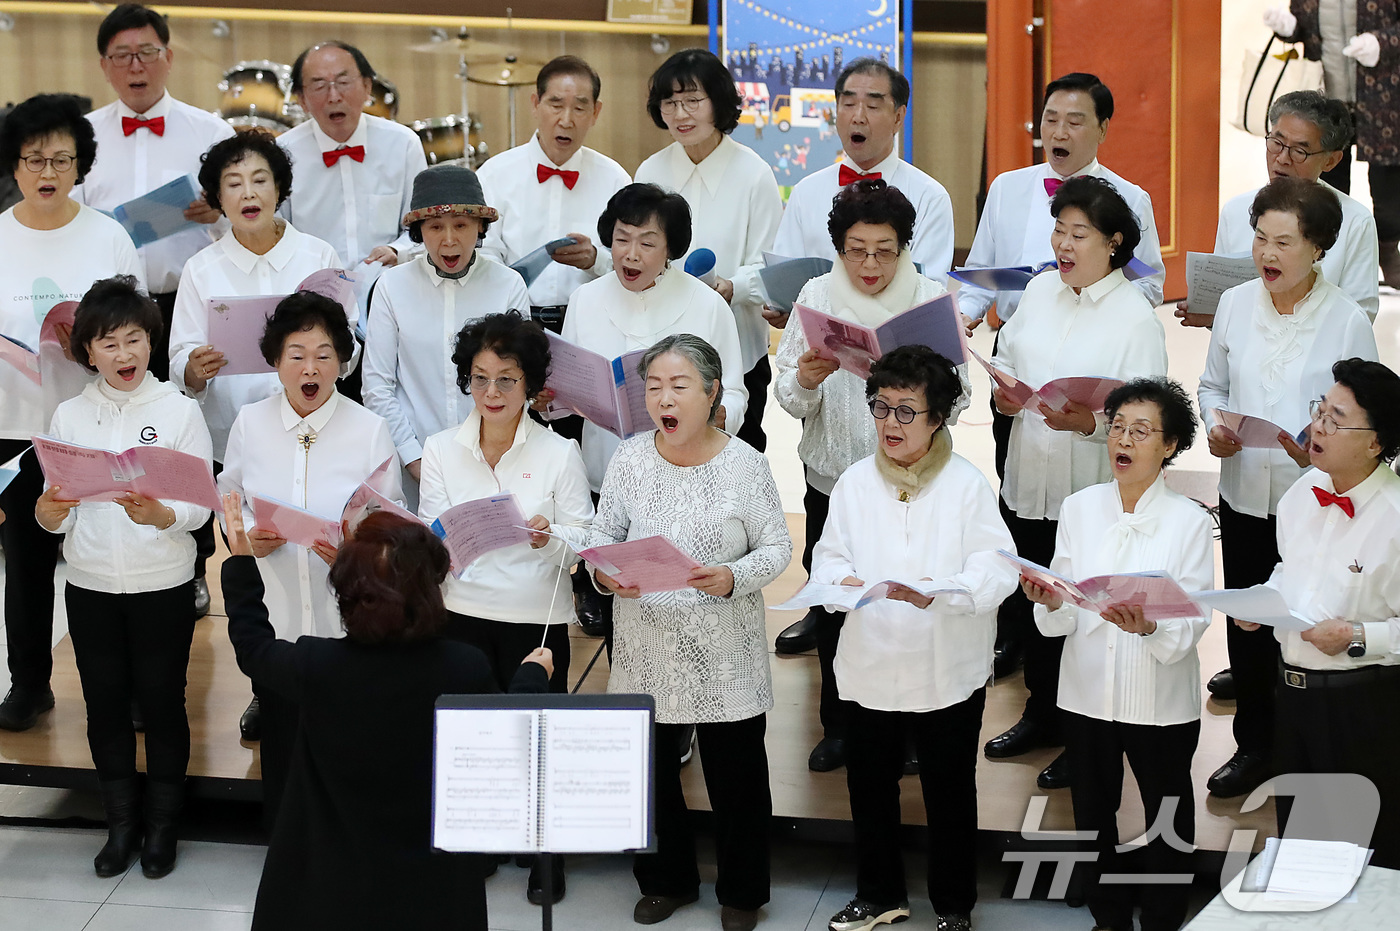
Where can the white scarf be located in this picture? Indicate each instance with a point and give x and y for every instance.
(1282, 347)
(874, 309)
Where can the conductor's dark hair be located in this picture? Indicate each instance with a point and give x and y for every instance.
(302, 311)
(917, 366)
(1377, 391)
(109, 305)
(870, 201)
(361, 62)
(510, 336)
(1090, 84)
(235, 149)
(44, 115)
(387, 580)
(899, 84)
(636, 204)
(1106, 211)
(567, 65)
(1317, 208)
(696, 69)
(130, 16)
(1173, 403)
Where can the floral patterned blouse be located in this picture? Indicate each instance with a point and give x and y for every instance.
(703, 658)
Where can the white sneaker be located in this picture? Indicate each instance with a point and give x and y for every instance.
(861, 915)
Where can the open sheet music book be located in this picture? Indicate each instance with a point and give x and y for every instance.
(543, 773)
(1161, 596)
(936, 324)
(158, 213)
(304, 528)
(1090, 390)
(1209, 275)
(609, 393)
(85, 473)
(235, 325)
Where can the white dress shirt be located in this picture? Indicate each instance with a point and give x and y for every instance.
(606, 318)
(409, 378)
(1268, 365)
(130, 166)
(352, 205)
(894, 656)
(1320, 545)
(735, 208)
(1350, 264)
(544, 471)
(227, 269)
(1015, 230)
(1109, 330)
(1105, 672)
(267, 458)
(803, 231)
(533, 214)
(43, 268)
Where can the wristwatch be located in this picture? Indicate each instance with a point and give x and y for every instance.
(1357, 647)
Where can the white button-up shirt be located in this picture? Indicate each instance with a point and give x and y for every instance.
(1015, 230)
(352, 205)
(1350, 264)
(894, 656)
(1268, 365)
(130, 166)
(227, 269)
(1109, 330)
(533, 214)
(803, 231)
(409, 378)
(267, 458)
(735, 209)
(1106, 673)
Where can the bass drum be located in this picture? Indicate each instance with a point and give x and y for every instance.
(384, 98)
(256, 89)
(451, 140)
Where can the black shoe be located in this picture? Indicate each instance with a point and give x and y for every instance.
(1006, 658)
(534, 889)
(250, 724)
(1056, 775)
(1022, 737)
(1241, 774)
(653, 908)
(737, 919)
(593, 612)
(1222, 685)
(798, 637)
(860, 915)
(828, 754)
(201, 598)
(161, 817)
(911, 760)
(138, 720)
(21, 708)
(121, 803)
(954, 923)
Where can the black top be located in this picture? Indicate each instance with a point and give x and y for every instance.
(351, 848)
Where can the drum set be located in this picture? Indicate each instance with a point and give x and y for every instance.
(258, 95)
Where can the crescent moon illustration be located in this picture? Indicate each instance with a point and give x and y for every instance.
(884, 5)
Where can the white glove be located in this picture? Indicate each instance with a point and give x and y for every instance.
(1282, 22)
(1365, 48)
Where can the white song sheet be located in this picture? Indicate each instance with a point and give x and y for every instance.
(595, 779)
(483, 780)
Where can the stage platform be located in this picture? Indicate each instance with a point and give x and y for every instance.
(55, 753)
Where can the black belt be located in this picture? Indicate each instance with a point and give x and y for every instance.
(1299, 678)
(550, 317)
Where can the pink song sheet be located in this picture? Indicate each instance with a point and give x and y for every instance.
(651, 564)
(87, 474)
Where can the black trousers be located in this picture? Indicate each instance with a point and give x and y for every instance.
(835, 714)
(735, 764)
(134, 646)
(204, 536)
(874, 764)
(1160, 756)
(756, 383)
(1035, 540)
(506, 644)
(1248, 554)
(160, 350)
(1385, 193)
(31, 556)
(1344, 730)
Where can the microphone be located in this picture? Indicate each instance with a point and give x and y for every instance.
(701, 264)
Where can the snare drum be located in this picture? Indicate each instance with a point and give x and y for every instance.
(446, 143)
(259, 123)
(384, 98)
(256, 89)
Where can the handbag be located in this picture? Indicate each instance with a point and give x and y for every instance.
(1268, 75)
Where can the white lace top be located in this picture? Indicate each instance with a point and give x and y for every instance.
(703, 658)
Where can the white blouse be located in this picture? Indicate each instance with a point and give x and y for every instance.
(409, 378)
(1320, 545)
(1108, 330)
(545, 472)
(606, 318)
(266, 457)
(735, 208)
(1270, 365)
(703, 658)
(1106, 673)
(894, 656)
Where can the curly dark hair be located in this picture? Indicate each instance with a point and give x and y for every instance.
(1106, 211)
(44, 115)
(387, 580)
(112, 303)
(635, 204)
(1317, 208)
(917, 366)
(235, 149)
(870, 201)
(510, 336)
(1173, 403)
(1377, 391)
(696, 69)
(302, 311)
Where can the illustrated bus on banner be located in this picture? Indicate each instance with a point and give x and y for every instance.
(806, 107)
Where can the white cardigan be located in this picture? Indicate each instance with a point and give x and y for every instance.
(106, 551)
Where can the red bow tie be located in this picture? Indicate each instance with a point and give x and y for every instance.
(544, 172)
(156, 125)
(849, 175)
(1325, 497)
(357, 152)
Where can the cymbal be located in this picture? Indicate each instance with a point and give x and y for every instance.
(464, 45)
(503, 71)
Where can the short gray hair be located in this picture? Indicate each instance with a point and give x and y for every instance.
(1331, 117)
(698, 353)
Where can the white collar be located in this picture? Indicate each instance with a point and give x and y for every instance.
(158, 110)
(327, 144)
(244, 260)
(1093, 170)
(1096, 291)
(572, 164)
(469, 434)
(438, 280)
(885, 168)
(711, 168)
(316, 420)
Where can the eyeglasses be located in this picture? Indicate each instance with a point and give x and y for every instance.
(60, 162)
(1326, 423)
(320, 86)
(146, 54)
(1137, 431)
(505, 384)
(903, 413)
(1296, 153)
(882, 256)
(688, 104)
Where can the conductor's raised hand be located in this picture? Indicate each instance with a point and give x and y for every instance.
(238, 542)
